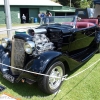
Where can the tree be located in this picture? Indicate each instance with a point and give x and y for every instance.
(76, 3)
(90, 3)
(86, 4)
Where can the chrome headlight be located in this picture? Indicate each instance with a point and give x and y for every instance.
(29, 47)
(5, 42)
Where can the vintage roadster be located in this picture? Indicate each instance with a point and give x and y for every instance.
(52, 48)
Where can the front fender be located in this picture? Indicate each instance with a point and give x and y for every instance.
(4, 58)
(39, 64)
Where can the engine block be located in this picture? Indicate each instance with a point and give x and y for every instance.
(42, 43)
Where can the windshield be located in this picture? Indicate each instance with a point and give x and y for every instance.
(68, 20)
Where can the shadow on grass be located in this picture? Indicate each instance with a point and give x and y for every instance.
(77, 83)
(23, 89)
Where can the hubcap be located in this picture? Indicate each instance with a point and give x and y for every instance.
(55, 82)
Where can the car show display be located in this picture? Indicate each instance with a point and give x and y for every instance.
(50, 51)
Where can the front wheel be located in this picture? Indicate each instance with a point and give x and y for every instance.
(51, 85)
(99, 48)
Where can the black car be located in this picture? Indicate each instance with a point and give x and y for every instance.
(52, 49)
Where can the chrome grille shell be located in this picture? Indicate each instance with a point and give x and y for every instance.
(17, 54)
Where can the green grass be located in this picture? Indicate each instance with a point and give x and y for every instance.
(85, 86)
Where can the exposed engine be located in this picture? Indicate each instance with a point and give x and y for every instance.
(42, 43)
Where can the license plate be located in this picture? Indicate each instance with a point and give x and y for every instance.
(9, 77)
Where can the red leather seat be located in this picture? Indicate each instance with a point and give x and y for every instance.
(95, 20)
(81, 24)
(84, 24)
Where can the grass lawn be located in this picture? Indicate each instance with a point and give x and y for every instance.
(85, 86)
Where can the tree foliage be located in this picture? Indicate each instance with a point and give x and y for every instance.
(76, 3)
(86, 4)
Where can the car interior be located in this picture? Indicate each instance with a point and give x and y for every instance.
(84, 23)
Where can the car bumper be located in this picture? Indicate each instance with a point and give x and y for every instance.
(23, 77)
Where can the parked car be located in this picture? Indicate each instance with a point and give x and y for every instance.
(53, 49)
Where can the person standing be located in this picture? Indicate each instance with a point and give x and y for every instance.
(48, 17)
(42, 18)
(49, 14)
(24, 18)
(39, 15)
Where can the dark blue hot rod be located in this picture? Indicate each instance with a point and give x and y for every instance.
(52, 48)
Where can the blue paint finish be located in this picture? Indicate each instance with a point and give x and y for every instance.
(5, 59)
(98, 37)
(25, 37)
(40, 64)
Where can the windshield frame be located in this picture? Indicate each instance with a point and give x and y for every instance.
(46, 20)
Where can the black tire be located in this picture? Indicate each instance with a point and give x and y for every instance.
(45, 82)
(99, 48)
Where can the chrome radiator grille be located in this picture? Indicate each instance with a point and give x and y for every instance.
(18, 53)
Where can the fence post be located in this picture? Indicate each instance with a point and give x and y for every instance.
(8, 18)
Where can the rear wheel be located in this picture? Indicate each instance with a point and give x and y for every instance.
(51, 85)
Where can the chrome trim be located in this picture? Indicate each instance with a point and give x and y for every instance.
(55, 82)
(6, 40)
(40, 30)
(17, 54)
(31, 44)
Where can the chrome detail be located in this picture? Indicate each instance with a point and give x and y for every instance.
(55, 82)
(42, 44)
(5, 42)
(29, 46)
(17, 54)
(9, 77)
(40, 30)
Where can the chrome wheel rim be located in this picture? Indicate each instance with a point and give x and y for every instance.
(55, 82)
